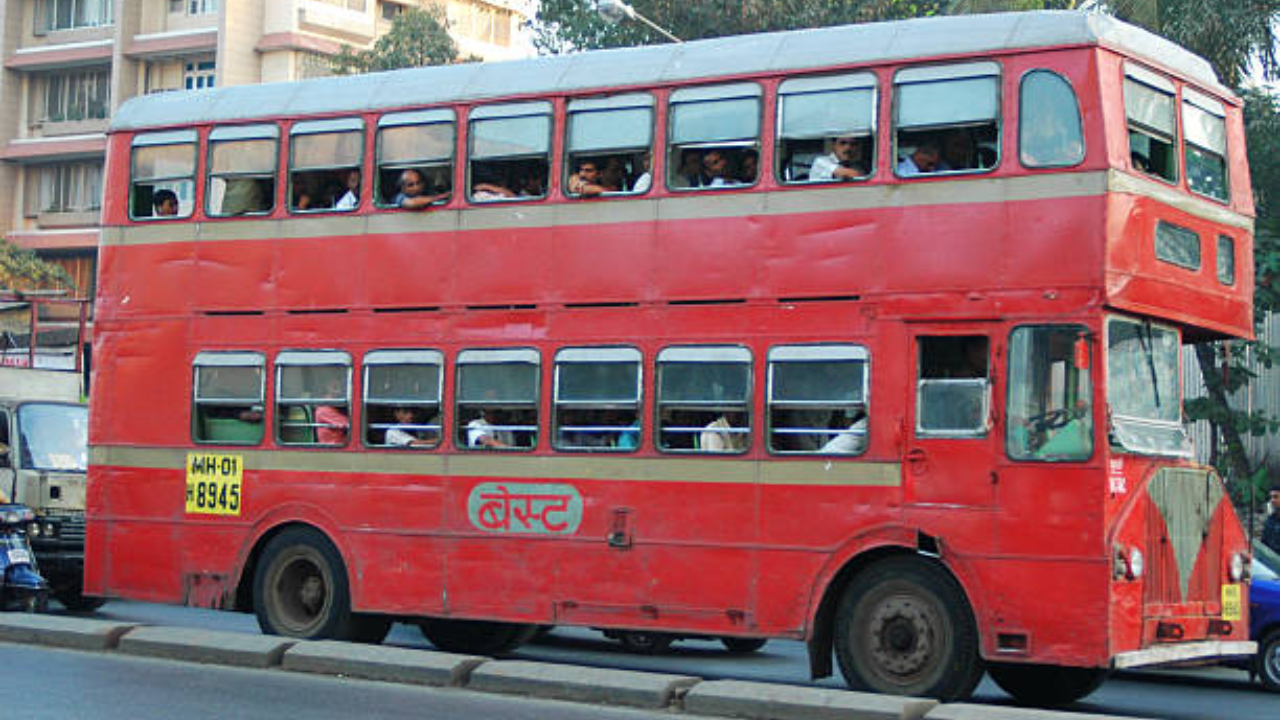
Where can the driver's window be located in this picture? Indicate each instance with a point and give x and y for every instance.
(953, 387)
(1050, 415)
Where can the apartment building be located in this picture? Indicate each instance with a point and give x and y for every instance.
(68, 64)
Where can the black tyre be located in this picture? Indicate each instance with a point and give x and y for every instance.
(1046, 685)
(300, 590)
(743, 645)
(73, 599)
(904, 627)
(1266, 664)
(645, 643)
(476, 637)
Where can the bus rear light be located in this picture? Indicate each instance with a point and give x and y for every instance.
(1219, 627)
(1169, 631)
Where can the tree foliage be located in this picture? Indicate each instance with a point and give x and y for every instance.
(418, 37)
(21, 269)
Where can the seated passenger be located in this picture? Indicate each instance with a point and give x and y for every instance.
(350, 193)
(749, 166)
(613, 175)
(845, 162)
(245, 195)
(587, 181)
(718, 169)
(331, 420)
(959, 152)
(413, 191)
(924, 160)
(166, 203)
(717, 436)
(850, 441)
(481, 432)
(691, 173)
(645, 180)
(404, 434)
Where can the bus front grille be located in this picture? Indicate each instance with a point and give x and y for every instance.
(1184, 537)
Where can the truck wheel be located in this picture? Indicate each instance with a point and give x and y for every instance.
(73, 599)
(1267, 661)
(1046, 685)
(300, 590)
(743, 645)
(904, 627)
(476, 637)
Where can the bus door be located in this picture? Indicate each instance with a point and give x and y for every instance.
(951, 444)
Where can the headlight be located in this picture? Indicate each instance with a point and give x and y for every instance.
(33, 529)
(1134, 564)
(12, 517)
(1237, 567)
(50, 530)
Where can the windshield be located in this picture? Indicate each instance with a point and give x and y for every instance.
(1266, 564)
(53, 437)
(1142, 388)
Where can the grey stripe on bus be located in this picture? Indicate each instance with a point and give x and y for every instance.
(820, 472)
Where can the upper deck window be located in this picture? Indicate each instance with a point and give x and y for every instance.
(1204, 126)
(162, 175)
(1153, 133)
(597, 399)
(714, 137)
(609, 143)
(313, 397)
(1049, 128)
(704, 399)
(415, 158)
(402, 398)
(510, 151)
(818, 399)
(826, 128)
(242, 170)
(497, 399)
(947, 118)
(227, 398)
(325, 158)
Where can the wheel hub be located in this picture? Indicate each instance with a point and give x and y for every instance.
(902, 636)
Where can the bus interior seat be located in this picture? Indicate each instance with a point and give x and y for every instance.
(296, 427)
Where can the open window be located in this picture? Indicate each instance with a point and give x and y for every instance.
(947, 118)
(1204, 125)
(609, 145)
(714, 137)
(313, 397)
(415, 156)
(1049, 126)
(227, 398)
(597, 399)
(817, 399)
(953, 387)
(242, 170)
(826, 128)
(1050, 414)
(325, 164)
(704, 399)
(402, 398)
(497, 399)
(163, 175)
(510, 151)
(1153, 133)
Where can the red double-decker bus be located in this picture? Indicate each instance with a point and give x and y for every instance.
(866, 336)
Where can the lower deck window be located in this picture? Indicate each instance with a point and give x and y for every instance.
(497, 399)
(704, 399)
(227, 398)
(817, 399)
(1050, 413)
(402, 399)
(313, 397)
(953, 390)
(597, 399)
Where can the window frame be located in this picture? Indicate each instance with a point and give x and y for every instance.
(575, 107)
(816, 352)
(353, 124)
(409, 357)
(1083, 332)
(496, 356)
(1022, 113)
(705, 353)
(1157, 83)
(298, 358)
(510, 111)
(162, 139)
(813, 85)
(1198, 101)
(1177, 230)
(251, 132)
(228, 358)
(939, 73)
(414, 118)
(620, 354)
(1229, 279)
(743, 90)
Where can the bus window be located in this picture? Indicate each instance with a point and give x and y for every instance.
(313, 397)
(227, 398)
(1050, 413)
(1049, 132)
(325, 159)
(1153, 133)
(1226, 261)
(497, 399)
(1144, 401)
(510, 151)
(163, 175)
(953, 390)
(415, 147)
(947, 118)
(817, 399)
(714, 137)
(704, 399)
(826, 128)
(608, 144)
(402, 398)
(242, 170)
(597, 399)
(1204, 125)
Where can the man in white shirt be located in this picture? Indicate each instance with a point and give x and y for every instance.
(923, 161)
(843, 163)
(481, 432)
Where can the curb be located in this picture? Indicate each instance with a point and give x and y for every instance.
(967, 711)
(760, 701)
(205, 646)
(75, 633)
(581, 684)
(379, 662)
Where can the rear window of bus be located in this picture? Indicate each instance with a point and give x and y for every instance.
(163, 175)
(1151, 115)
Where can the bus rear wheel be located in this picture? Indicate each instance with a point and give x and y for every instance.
(904, 627)
(300, 590)
(743, 645)
(1046, 685)
(476, 637)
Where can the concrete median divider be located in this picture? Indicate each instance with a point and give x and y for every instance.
(206, 646)
(381, 662)
(764, 701)
(965, 711)
(68, 632)
(580, 684)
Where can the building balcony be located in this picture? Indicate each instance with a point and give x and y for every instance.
(51, 149)
(339, 23)
(57, 57)
(84, 238)
(173, 44)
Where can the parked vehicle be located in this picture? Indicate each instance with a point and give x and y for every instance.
(21, 587)
(1264, 616)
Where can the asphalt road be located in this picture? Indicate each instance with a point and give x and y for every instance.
(1202, 694)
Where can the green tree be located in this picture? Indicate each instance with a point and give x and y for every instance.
(417, 37)
(21, 269)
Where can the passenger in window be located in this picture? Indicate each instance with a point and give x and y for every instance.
(924, 160)
(405, 434)
(749, 166)
(350, 189)
(645, 180)
(718, 168)
(481, 432)
(166, 203)
(530, 182)
(1140, 162)
(587, 181)
(851, 440)
(331, 420)
(844, 162)
(959, 152)
(718, 435)
(413, 191)
(246, 195)
(691, 173)
(614, 174)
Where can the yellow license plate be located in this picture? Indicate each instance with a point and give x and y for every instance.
(1232, 608)
(214, 483)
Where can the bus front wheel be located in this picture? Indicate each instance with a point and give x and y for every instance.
(1046, 685)
(903, 627)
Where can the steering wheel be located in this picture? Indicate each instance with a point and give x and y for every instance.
(1051, 420)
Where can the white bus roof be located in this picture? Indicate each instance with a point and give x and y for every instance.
(652, 65)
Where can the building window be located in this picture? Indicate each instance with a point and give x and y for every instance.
(193, 7)
(357, 5)
(198, 74)
(73, 96)
(72, 14)
(66, 187)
